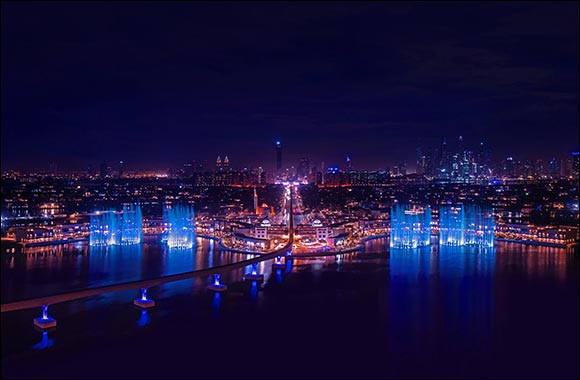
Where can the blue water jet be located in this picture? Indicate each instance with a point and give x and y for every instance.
(109, 227)
(451, 225)
(479, 225)
(410, 226)
(180, 230)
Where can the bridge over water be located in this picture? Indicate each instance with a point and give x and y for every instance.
(145, 284)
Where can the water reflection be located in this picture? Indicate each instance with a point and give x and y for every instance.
(55, 269)
(216, 303)
(45, 342)
(289, 264)
(145, 319)
(254, 291)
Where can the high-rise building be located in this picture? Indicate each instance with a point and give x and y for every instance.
(120, 171)
(218, 163)
(53, 168)
(260, 175)
(403, 168)
(575, 164)
(278, 156)
(303, 167)
(105, 170)
(226, 165)
(445, 160)
(419, 160)
(554, 168)
(255, 201)
(348, 162)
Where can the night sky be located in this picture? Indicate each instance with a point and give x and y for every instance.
(158, 84)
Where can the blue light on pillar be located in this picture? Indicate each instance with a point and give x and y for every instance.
(45, 322)
(278, 263)
(217, 286)
(144, 302)
(254, 275)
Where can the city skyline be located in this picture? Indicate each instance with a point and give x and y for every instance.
(294, 160)
(163, 84)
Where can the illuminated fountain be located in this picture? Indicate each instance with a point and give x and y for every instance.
(104, 228)
(469, 224)
(410, 226)
(117, 228)
(451, 225)
(479, 225)
(180, 223)
(217, 286)
(131, 224)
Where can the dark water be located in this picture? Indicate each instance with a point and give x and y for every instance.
(508, 312)
(56, 269)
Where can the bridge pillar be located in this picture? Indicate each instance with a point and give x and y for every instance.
(278, 263)
(45, 322)
(254, 275)
(144, 302)
(217, 286)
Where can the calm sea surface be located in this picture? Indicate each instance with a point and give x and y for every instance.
(512, 311)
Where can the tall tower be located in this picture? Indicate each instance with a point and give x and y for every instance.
(120, 169)
(218, 163)
(255, 201)
(278, 156)
(461, 148)
(226, 163)
(348, 162)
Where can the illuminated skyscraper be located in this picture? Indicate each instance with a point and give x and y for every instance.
(278, 156)
(105, 170)
(303, 167)
(255, 201)
(575, 164)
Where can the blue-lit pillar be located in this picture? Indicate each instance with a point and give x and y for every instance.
(278, 262)
(45, 322)
(254, 275)
(216, 286)
(144, 302)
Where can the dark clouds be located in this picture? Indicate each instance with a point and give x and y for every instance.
(157, 84)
